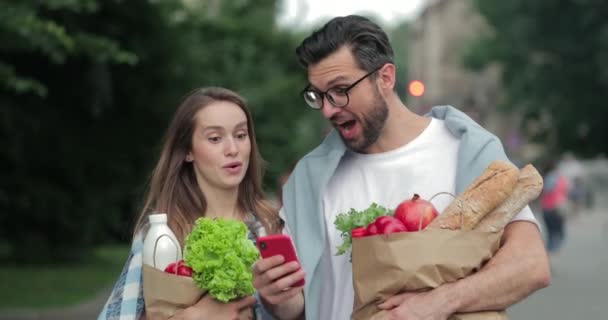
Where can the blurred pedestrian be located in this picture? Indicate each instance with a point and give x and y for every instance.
(577, 195)
(553, 201)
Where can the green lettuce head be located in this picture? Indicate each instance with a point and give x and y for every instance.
(221, 256)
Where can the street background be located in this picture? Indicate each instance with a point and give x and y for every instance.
(87, 88)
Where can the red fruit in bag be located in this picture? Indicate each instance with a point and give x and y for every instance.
(392, 227)
(372, 229)
(179, 268)
(171, 268)
(416, 213)
(358, 232)
(184, 270)
(388, 224)
(382, 221)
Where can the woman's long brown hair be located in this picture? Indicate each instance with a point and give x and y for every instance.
(173, 187)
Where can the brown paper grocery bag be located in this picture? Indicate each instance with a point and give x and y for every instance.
(385, 265)
(165, 294)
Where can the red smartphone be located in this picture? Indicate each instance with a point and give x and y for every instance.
(278, 244)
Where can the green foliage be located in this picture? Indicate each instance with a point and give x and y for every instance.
(554, 56)
(87, 88)
(398, 37)
(221, 256)
(59, 285)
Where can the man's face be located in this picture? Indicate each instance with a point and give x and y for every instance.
(361, 121)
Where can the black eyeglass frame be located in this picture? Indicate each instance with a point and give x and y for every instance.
(342, 91)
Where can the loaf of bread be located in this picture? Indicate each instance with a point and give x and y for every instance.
(529, 186)
(482, 196)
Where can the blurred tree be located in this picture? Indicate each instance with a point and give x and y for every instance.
(554, 57)
(398, 36)
(87, 88)
(259, 60)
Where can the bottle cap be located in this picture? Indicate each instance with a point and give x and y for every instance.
(157, 218)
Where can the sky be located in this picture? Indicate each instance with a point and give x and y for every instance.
(306, 13)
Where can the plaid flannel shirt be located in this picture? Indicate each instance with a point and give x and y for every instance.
(126, 302)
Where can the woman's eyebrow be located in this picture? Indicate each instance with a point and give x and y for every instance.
(220, 128)
(205, 128)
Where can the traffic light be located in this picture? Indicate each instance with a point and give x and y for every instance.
(416, 88)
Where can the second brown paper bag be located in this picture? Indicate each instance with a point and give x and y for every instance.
(386, 265)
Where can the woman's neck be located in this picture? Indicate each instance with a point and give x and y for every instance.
(222, 203)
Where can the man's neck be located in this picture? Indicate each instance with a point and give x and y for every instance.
(402, 126)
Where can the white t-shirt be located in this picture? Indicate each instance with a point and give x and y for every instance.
(426, 166)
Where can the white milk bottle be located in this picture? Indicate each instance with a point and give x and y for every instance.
(160, 244)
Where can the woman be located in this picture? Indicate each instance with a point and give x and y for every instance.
(209, 166)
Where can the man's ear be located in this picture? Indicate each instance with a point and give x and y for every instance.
(387, 76)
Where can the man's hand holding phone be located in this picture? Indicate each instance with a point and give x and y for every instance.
(278, 276)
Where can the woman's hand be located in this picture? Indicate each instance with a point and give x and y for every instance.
(209, 308)
(274, 281)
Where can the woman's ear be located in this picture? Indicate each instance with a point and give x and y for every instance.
(189, 157)
(387, 76)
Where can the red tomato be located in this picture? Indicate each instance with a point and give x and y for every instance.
(171, 268)
(372, 229)
(382, 221)
(184, 270)
(358, 232)
(392, 227)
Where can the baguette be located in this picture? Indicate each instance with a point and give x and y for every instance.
(529, 186)
(488, 191)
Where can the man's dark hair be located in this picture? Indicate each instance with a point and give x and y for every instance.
(368, 42)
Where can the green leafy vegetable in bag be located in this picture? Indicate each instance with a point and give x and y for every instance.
(221, 257)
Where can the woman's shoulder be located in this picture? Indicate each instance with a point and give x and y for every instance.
(255, 226)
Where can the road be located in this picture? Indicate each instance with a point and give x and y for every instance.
(579, 289)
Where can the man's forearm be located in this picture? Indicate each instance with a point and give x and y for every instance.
(292, 309)
(519, 268)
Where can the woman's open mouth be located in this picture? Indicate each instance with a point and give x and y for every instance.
(233, 167)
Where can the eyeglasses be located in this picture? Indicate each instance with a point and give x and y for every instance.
(338, 97)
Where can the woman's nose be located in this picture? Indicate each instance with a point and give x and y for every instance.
(231, 148)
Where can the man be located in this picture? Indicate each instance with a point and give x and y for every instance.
(382, 152)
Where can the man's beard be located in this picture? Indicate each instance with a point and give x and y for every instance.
(372, 124)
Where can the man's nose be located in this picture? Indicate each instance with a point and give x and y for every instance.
(329, 110)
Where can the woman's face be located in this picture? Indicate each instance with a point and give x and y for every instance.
(220, 146)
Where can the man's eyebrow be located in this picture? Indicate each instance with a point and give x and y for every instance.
(329, 84)
(334, 80)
